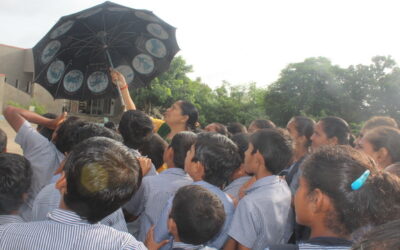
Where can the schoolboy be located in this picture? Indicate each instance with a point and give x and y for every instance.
(262, 217)
(210, 162)
(99, 176)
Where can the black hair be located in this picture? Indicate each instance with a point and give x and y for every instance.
(191, 111)
(111, 125)
(220, 128)
(236, 127)
(336, 127)
(102, 174)
(304, 127)
(46, 132)
(199, 214)
(64, 141)
(385, 137)
(263, 123)
(181, 144)
(275, 148)
(394, 169)
(219, 156)
(154, 149)
(3, 141)
(377, 121)
(332, 169)
(136, 128)
(242, 142)
(384, 237)
(89, 130)
(15, 180)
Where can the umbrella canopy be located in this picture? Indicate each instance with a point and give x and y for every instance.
(73, 59)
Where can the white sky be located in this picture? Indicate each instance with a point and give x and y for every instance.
(240, 41)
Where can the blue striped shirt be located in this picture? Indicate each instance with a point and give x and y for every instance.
(152, 196)
(161, 229)
(64, 230)
(263, 216)
(49, 198)
(6, 219)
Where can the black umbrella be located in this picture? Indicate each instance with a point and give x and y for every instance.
(73, 59)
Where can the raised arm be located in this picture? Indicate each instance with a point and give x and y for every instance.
(119, 80)
(17, 116)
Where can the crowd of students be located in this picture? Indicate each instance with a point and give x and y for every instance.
(166, 184)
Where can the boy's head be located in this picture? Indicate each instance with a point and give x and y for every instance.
(62, 134)
(176, 152)
(269, 148)
(213, 158)
(197, 215)
(100, 175)
(136, 128)
(3, 141)
(15, 180)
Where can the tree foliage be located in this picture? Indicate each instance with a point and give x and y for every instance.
(314, 87)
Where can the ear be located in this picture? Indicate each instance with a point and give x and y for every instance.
(172, 227)
(320, 202)
(383, 155)
(259, 159)
(61, 184)
(333, 141)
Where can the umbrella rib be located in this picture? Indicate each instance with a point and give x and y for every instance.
(127, 27)
(116, 25)
(122, 39)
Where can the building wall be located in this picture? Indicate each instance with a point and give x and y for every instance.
(16, 76)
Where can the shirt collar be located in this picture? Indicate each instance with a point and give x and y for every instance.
(265, 181)
(176, 171)
(6, 219)
(185, 246)
(66, 217)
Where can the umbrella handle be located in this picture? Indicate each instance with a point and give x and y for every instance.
(119, 91)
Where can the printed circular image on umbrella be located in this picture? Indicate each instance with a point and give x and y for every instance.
(127, 72)
(50, 51)
(73, 80)
(72, 61)
(55, 71)
(62, 29)
(97, 82)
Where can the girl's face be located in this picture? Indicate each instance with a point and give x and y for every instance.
(319, 138)
(302, 203)
(368, 148)
(298, 140)
(173, 115)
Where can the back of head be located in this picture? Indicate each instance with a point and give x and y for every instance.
(242, 142)
(110, 125)
(263, 123)
(102, 174)
(191, 111)
(333, 169)
(180, 144)
(154, 149)
(385, 137)
(89, 130)
(275, 148)
(199, 214)
(136, 128)
(219, 156)
(336, 127)
(63, 140)
(304, 127)
(46, 132)
(219, 128)
(15, 180)
(378, 121)
(236, 127)
(3, 141)
(384, 237)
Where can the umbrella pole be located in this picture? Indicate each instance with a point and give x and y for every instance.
(112, 66)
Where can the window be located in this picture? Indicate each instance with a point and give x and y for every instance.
(97, 107)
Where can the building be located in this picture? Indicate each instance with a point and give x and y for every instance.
(17, 87)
